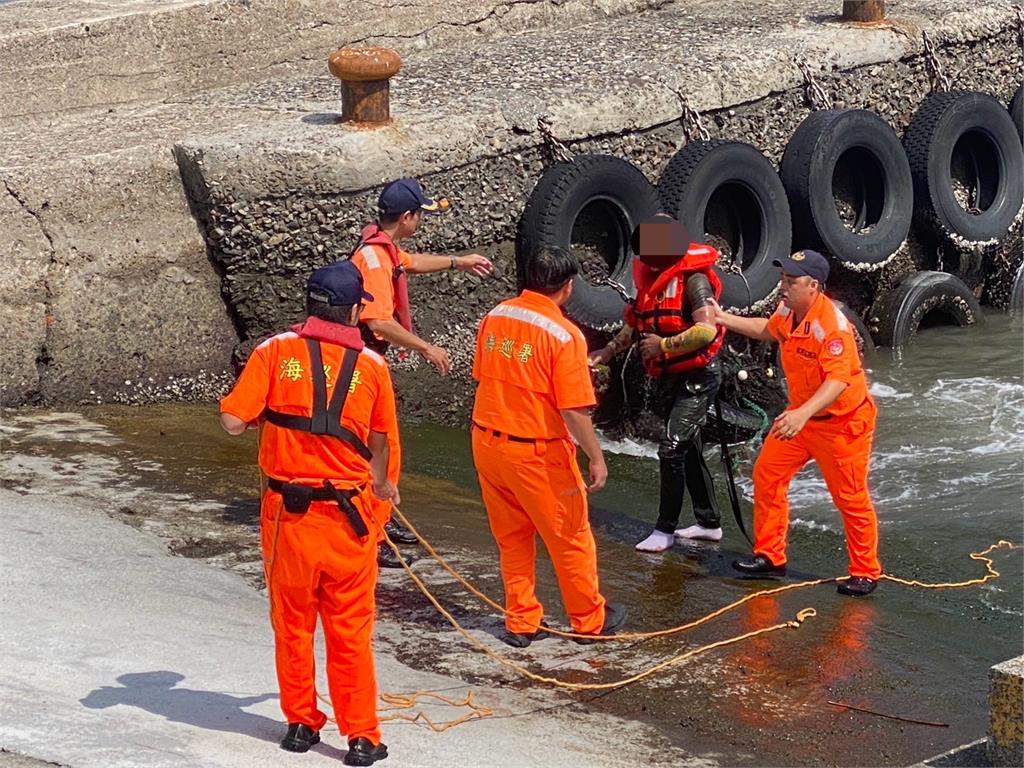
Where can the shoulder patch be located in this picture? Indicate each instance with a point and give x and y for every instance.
(369, 255)
(835, 347)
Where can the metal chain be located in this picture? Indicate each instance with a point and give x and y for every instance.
(817, 97)
(939, 81)
(690, 119)
(559, 152)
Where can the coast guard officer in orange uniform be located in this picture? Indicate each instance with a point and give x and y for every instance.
(387, 318)
(327, 408)
(830, 418)
(534, 391)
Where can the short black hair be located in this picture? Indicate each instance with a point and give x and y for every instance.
(550, 268)
(325, 311)
(388, 219)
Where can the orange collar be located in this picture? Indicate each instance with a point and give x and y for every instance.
(815, 312)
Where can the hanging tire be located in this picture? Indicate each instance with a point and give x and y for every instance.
(729, 194)
(968, 167)
(591, 206)
(922, 296)
(1016, 110)
(849, 186)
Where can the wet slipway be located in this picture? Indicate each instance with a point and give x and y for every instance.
(947, 481)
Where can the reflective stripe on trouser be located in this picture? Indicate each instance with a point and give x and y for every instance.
(531, 488)
(842, 450)
(322, 568)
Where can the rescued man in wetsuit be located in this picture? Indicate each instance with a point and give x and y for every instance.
(326, 407)
(830, 418)
(678, 342)
(387, 318)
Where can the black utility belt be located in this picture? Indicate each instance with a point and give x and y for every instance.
(297, 498)
(513, 438)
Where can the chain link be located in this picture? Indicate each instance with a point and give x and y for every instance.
(939, 81)
(689, 118)
(556, 148)
(817, 97)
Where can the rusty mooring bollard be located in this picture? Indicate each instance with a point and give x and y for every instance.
(863, 10)
(364, 75)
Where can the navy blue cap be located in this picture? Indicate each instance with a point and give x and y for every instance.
(407, 195)
(809, 263)
(338, 285)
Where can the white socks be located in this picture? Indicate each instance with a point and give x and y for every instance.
(656, 542)
(700, 533)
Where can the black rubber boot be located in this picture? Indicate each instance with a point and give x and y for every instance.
(386, 557)
(614, 618)
(398, 533)
(362, 752)
(856, 586)
(300, 738)
(758, 565)
(523, 639)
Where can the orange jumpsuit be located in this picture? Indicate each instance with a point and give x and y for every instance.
(531, 362)
(314, 562)
(838, 438)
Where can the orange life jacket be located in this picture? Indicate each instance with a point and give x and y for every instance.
(372, 234)
(660, 307)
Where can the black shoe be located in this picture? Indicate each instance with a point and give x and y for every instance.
(300, 738)
(362, 752)
(759, 565)
(857, 586)
(399, 534)
(614, 618)
(386, 557)
(523, 639)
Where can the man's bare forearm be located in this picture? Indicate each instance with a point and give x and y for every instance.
(423, 263)
(392, 332)
(582, 429)
(378, 445)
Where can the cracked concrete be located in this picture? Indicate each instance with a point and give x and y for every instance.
(67, 47)
(25, 305)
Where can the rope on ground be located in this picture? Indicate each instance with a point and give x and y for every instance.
(982, 556)
(621, 637)
(403, 701)
(801, 616)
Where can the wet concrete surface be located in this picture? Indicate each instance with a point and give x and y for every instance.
(913, 653)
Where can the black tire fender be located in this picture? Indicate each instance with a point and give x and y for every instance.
(730, 185)
(917, 295)
(963, 143)
(852, 158)
(1016, 110)
(614, 197)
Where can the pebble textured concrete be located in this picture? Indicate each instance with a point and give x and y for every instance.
(1006, 713)
(279, 202)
